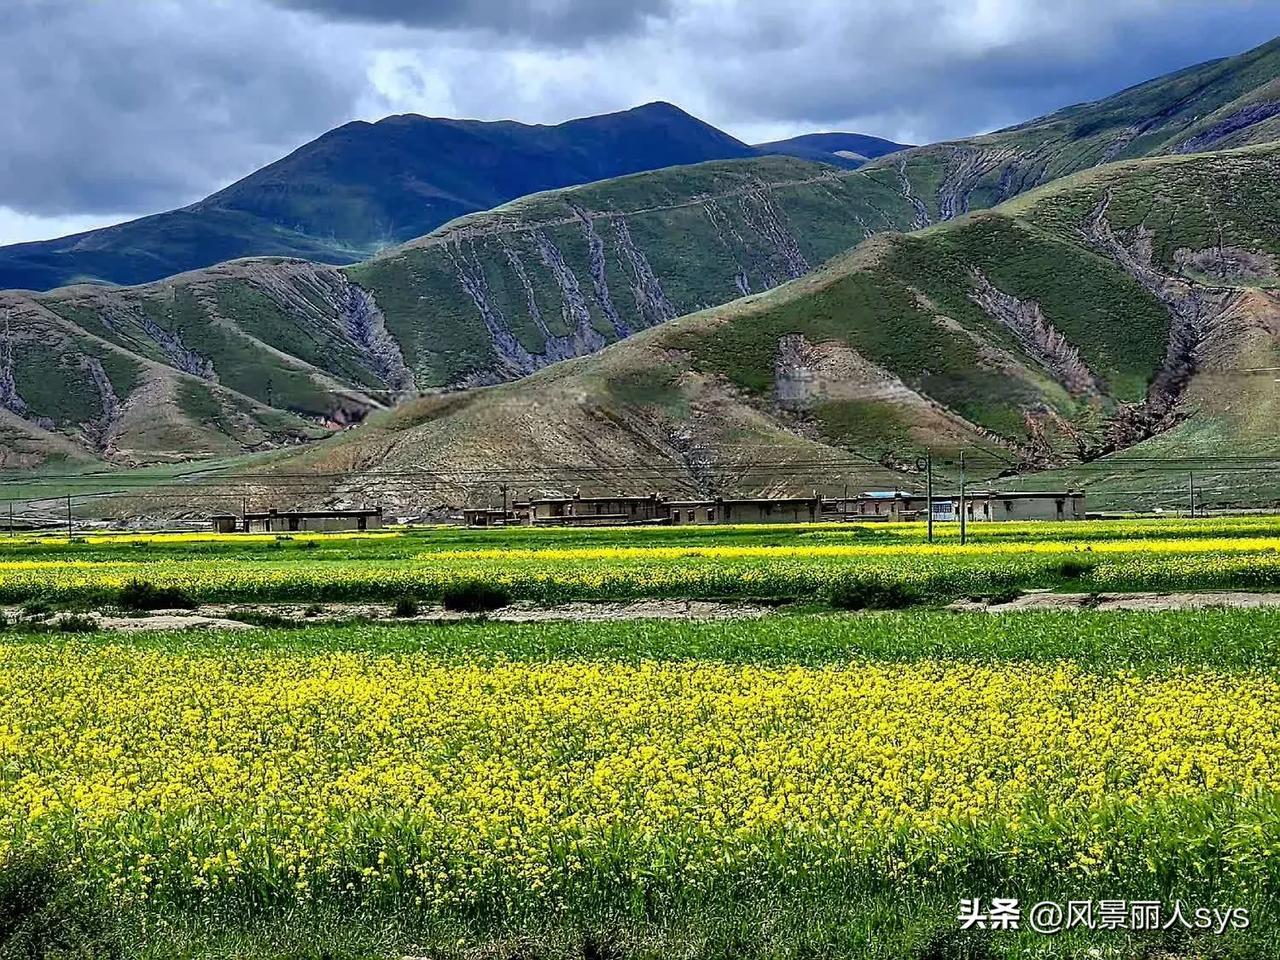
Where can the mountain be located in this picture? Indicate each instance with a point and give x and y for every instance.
(1218, 105)
(488, 298)
(365, 186)
(291, 349)
(1133, 306)
(848, 150)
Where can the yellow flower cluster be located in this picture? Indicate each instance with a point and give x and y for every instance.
(185, 775)
(553, 565)
(817, 551)
(1235, 528)
(555, 575)
(208, 536)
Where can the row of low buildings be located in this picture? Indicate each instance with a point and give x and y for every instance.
(615, 510)
(298, 521)
(612, 510)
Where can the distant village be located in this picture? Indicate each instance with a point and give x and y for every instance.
(613, 510)
(618, 510)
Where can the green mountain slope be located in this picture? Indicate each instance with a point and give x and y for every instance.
(560, 274)
(364, 186)
(489, 298)
(71, 393)
(1218, 105)
(1131, 304)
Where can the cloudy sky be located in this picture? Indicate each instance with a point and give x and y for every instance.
(116, 108)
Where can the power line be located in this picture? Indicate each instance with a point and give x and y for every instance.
(741, 466)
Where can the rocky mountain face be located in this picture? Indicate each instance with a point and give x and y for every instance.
(1218, 105)
(497, 296)
(365, 186)
(1128, 308)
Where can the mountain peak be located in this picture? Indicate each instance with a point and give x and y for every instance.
(660, 106)
(848, 150)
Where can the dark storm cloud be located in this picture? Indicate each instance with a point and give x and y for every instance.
(557, 22)
(136, 107)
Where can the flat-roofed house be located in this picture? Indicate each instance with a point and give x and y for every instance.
(876, 505)
(538, 509)
(225, 522)
(578, 511)
(299, 521)
(745, 510)
(488, 517)
(980, 506)
(1027, 505)
(686, 512)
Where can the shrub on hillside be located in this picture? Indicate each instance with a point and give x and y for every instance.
(36, 609)
(77, 623)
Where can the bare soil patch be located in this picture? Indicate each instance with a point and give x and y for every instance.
(164, 620)
(1228, 264)
(1045, 600)
(516, 613)
(251, 616)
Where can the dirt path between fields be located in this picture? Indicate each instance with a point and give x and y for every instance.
(516, 613)
(250, 616)
(1045, 600)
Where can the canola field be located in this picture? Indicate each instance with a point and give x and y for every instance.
(824, 562)
(812, 783)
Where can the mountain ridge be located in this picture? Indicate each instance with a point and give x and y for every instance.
(364, 185)
(1221, 104)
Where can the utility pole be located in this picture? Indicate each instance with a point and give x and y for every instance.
(964, 530)
(69, 533)
(504, 501)
(10, 518)
(844, 505)
(928, 466)
(1191, 492)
